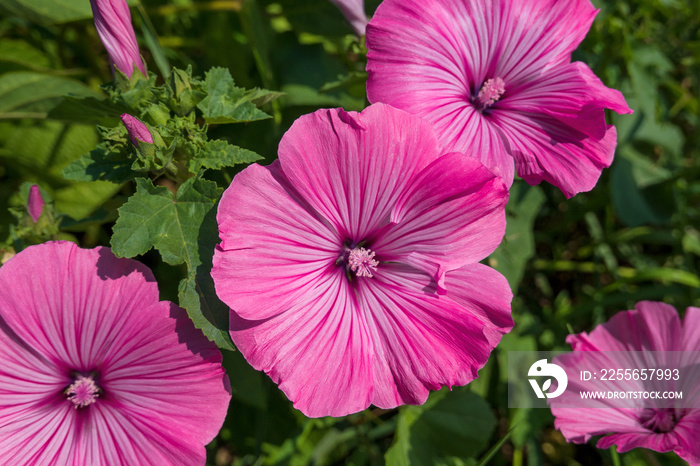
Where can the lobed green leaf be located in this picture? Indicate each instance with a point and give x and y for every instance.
(227, 103)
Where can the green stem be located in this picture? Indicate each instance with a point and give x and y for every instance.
(615, 456)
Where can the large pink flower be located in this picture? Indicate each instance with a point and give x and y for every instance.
(654, 328)
(351, 264)
(95, 370)
(494, 78)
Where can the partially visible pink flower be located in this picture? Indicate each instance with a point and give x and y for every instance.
(671, 426)
(354, 12)
(138, 131)
(35, 203)
(94, 369)
(113, 23)
(495, 79)
(351, 263)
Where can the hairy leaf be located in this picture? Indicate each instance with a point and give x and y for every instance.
(227, 103)
(217, 154)
(99, 165)
(183, 229)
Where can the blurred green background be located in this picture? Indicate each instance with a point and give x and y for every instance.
(571, 263)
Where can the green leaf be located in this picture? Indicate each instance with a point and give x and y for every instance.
(18, 54)
(634, 204)
(155, 218)
(226, 103)
(218, 153)
(99, 165)
(183, 229)
(50, 11)
(87, 110)
(198, 296)
(451, 424)
(518, 244)
(26, 93)
(261, 97)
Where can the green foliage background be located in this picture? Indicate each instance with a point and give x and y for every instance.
(572, 263)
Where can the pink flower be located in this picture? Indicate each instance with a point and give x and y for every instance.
(494, 78)
(35, 203)
(95, 370)
(354, 12)
(351, 263)
(651, 327)
(138, 131)
(113, 23)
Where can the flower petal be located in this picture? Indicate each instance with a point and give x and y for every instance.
(652, 326)
(275, 249)
(454, 214)
(319, 355)
(53, 309)
(572, 94)
(169, 376)
(627, 441)
(546, 149)
(44, 435)
(362, 163)
(579, 425)
(687, 436)
(691, 324)
(422, 340)
(87, 312)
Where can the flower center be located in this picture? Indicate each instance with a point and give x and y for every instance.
(658, 420)
(361, 261)
(490, 92)
(83, 392)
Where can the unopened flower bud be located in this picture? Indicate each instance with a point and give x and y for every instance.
(354, 12)
(113, 23)
(138, 131)
(35, 203)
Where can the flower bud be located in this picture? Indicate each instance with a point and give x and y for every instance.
(354, 12)
(35, 203)
(138, 131)
(113, 23)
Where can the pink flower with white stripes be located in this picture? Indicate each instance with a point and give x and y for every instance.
(495, 79)
(664, 425)
(94, 369)
(351, 263)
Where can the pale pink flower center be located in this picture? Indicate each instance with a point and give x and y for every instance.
(658, 420)
(361, 261)
(490, 92)
(83, 392)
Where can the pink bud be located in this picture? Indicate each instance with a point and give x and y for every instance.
(354, 12)
(35, 203)
(138, 131)
(113, 23)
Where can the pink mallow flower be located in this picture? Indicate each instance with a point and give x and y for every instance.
(354, 12)
(94, 369)
(35, 203)
(113, 23)
(351, 263)
(663, 425)
(495, 79)
(138, 131)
